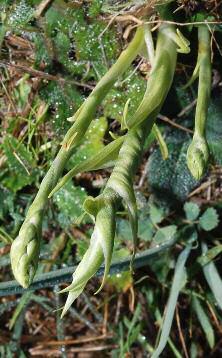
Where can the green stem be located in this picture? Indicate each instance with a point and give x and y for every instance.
(197, 154)
(204, 86)
(160, 78)
(25, 248)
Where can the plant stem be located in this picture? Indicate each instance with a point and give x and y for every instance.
(204, 85)
(160, 78)
(197, 154)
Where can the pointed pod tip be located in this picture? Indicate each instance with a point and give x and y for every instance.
(103, 280)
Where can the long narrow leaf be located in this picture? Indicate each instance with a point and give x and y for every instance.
(210, 255)
(161, 141)
(24, 301)
(204, 321)
(104, 158)
(213, 278)
(178, 282)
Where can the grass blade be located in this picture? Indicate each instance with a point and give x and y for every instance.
(213, 278)
(177, 284)
(25, 299)
(204, 321)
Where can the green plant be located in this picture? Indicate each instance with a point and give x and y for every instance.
(159, 222)
(25, 248)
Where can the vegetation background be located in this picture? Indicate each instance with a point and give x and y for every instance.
(52, 55)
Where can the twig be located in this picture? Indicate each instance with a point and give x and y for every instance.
(41, 7)
(143, 176)
(183, 23)
(181, 334)
(21, 162)
(121, 18)
(187, 108)
(55, 353)
(172, 123)
(105, 318)
(107, 27)
(215, 319)
(8, 96)
(215, 41)
(201, 187)
(118, 307)
(41, 74)
(66, 342)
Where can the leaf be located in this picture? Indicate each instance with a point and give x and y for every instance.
(123, 230)
(5, 237)
(87, 41)
(69, 201)
(193, 350)
(209, 219)
(213, 278)
(156, 213)
(42, 53)
(160, 141)
(21, 162)
(132, 326)
(103, 159)
(95, 8)
(170, 179)
(121, 281)
(178, 282)
(162, 266)
(63, 102)
(21, 14)
(204, 321)
(24, 301)
(77, 39)
(164, 234)
(145, 229)
(6, 202)
(214, 130)
(22, 92)
(132, 87)
(209, 255)
(192, 211)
